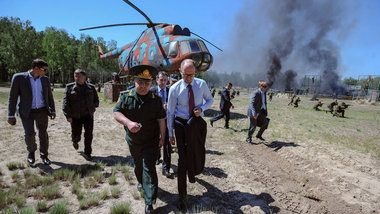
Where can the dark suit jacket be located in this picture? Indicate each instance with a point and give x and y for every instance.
(22, 88)
(225, 101)
(254, 107)
(155, 90)
(195, 139)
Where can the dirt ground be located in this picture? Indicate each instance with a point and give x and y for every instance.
(304, 166)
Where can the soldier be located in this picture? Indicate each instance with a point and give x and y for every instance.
(79, 102)
(316, 106)
(296, 102)
(331, 106)
(340, 109)
(233, 94)
(270, 95)
(238, 93)
(292, 99)
(213, 91)
(142, 114)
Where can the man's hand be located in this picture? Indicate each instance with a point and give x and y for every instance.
(70, 120)
(172, 140)
(233, 106)
(255, 117)
(52, 117)
(12, 121)
(165, 106)
(161, 143)
(197, 111)
(133, 127)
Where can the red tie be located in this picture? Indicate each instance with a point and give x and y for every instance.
(191, 100)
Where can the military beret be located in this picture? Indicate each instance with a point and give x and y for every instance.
(144, 72)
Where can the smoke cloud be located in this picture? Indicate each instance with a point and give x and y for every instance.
(282, 41)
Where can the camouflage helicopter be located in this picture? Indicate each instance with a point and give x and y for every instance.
(161, 45)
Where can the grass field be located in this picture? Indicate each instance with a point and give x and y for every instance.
(300, 136)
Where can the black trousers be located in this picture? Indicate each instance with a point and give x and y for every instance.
(179, 128)
(40, 116)
(224, 113)
(261, 121)
(76, 130)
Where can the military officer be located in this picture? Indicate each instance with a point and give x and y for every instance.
(143, 116)
(340, 109)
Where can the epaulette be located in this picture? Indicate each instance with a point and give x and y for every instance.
(153, 96)
(70, 84)
(126, 91)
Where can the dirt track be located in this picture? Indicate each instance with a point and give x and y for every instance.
(302, 175)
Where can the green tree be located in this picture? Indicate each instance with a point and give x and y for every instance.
(350, 81)
(19, 45)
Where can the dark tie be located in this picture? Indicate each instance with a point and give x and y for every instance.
(162, 92)
(191, 100)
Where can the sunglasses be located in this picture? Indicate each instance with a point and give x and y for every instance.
(264, 86)
(44, 69)
(188, 75)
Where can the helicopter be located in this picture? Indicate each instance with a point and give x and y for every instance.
(162, 46)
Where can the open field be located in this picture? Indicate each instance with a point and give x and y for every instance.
(311, 162)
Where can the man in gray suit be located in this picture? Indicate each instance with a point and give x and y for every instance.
(36, 103)
(257, 112)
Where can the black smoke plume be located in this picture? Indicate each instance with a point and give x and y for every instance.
(284, 40)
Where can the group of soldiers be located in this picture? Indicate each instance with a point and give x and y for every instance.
(337, 110)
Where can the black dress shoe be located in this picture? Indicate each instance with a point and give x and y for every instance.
(31, 158)
(148, 209)
(248, 140)
(45, 160)
(76, 146)
(87, 156)
(166, 173)
(139, 187)
(226, 127)
(261, 138)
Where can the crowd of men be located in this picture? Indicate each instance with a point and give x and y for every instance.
(153, 118)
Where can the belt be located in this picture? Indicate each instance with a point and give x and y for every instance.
(37, 109)
(181, 119)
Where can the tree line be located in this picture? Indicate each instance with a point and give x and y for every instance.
(20, 43)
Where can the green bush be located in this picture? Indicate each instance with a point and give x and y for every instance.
(121, 208)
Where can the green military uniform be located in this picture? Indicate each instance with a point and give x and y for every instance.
(331, 106)
(146, 110)
(316, 106)
(292, 99)
(340, 109)
(296, 102)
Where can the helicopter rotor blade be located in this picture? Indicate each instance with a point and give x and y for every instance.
(153, 28)
(115, 25)
(206, 41)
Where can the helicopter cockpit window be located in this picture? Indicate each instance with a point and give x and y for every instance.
(173, 51)
(202, 45)
(184, 47)
(194, 46)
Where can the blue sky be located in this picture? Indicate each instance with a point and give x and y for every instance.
(212, 19)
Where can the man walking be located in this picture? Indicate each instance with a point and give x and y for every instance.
(142, 114)
(225, 105)
(257, 112)
(36, 104)
(188, 98)
(162, 90)
(79, 102)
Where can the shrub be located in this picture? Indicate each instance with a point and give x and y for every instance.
(47, 192)
(27, 210)
(14, 166)
(98, 176)
(112, 179)
(59, 208)
(91, 200)
(121, 208)
(115, 192)
(90, 183)
(41, 206)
